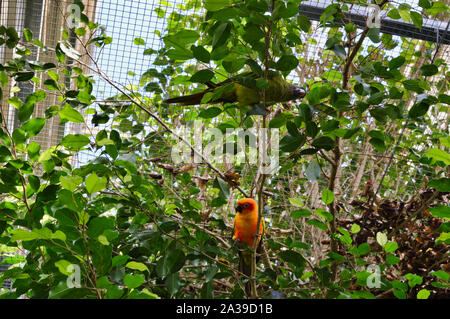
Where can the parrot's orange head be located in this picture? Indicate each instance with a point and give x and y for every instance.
(246, 205)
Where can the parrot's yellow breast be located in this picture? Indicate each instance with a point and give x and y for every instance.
(246, 96)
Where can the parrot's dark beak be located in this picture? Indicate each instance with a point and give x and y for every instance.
(299, 92)
(239, 208)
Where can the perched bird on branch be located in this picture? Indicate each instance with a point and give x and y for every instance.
(243, 89)
(245, 225)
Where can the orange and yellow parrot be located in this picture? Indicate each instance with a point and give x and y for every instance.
(245, 224)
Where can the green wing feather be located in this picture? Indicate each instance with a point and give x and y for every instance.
(243, 91)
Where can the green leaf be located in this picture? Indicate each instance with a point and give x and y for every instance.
(444, 237)
(37, 233)
(137, 266)
(215, 5)
(403, 10)
(287, 63)
(426, 4)
(222, 186)
(397, 62)
(27, 108)
(334, 44)
(332, 76)
(103, 283)
(133, 281)
(211, 272)
(179, 54)
(34, 182)
(23, 235)
(394, 14)
(399, 294)
(277, 121)
(70, 182)
(63, 266)
(139, 41)
(296, 201)
(441, 274)
(51, 85)
(413, 85)
(292, 129)
(324, 214)
(336, 256)
(378, 144)
(301, 213)
(390, 247)
(120, 260)
(95, 183)
(399, 285)
(114, 292)
(33, 127)
(392, 259)
(413, 280)
(221, 35)
(201, 54)
(324, 142)
(327, 196)
(438, 155)
(363, 249)
(418, 109)
(23, 76)
(437, 7)
(178, 41)
(374, 35)
(417, 19)
(376, 98)
(429, 69)
(423, 294)
(202, 76)
(99, 226)
(292, 257)
(75, 141)
(254, 66)
(70, 114)
(440, 212)
(173, 283)
(43, 233)
(80, 31)
(304, 23)
(171, 262)
(28, 34)
(290, 143)
(210, 112)
(282, 11)
(253, 33)
(317, 223)
(355, 228)
(445, 141)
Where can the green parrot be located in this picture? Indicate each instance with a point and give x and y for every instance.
(242, 89)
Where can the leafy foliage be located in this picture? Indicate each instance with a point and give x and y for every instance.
(130, 223)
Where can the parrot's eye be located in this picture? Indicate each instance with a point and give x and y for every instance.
(245, 205)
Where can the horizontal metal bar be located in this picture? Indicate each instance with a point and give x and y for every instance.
(432, 30)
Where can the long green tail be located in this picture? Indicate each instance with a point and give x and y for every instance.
(245, 265)
(193, 99)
